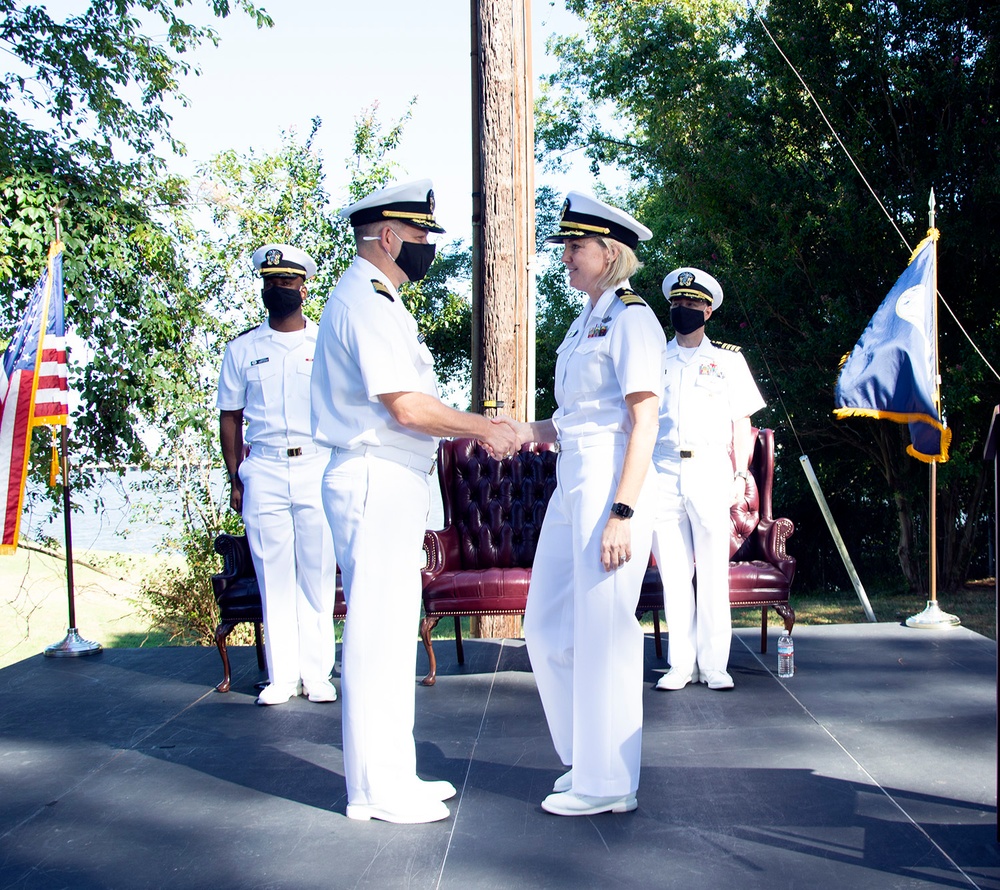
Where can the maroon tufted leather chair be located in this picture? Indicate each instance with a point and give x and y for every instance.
(238, 597)
(760, 571)
(480, 562)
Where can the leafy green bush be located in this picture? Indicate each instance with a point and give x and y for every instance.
(178, 597)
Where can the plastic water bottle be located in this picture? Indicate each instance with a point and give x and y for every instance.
(786, 655)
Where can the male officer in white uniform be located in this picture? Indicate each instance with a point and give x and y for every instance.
(265, 382)
(375, 403)
(701, 458)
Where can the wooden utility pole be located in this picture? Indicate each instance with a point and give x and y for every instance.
(503, 222)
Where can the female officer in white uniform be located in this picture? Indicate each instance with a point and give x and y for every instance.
(585, 644)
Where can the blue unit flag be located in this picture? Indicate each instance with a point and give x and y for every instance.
(891, 373)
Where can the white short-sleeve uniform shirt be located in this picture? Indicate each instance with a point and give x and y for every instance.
(266, 373)
(705, 392)
(368, 345)
(610, 351)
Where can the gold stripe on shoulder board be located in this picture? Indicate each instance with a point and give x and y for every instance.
(732, 347)
(629, 297)
(380, 288)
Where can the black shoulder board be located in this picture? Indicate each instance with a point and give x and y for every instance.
(247, 331)
(730, 346)
(629, 297)
(380, 288)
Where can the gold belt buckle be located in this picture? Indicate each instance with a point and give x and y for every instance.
(293, 452)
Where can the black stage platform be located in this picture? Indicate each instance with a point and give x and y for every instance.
(875, 767)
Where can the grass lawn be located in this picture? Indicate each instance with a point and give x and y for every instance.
(975, 606)
(34, 605)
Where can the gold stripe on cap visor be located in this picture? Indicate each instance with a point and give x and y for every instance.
(688, 292)
(582, 227)
(404, 214)
(282, 270)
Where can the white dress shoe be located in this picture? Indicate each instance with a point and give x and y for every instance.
(324, 690)
(440, 790)
(564, 782)
(717, 679)
(278, 693)
(410, 811)
(677, 678)
(569, 804)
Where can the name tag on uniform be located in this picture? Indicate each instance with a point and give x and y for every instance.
(259, 361)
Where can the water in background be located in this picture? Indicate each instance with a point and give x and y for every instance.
(118, 514)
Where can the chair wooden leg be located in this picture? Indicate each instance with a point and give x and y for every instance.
(458, 640)
(656, 634)
(221, 632)
(426, 626)
(258, 639)
(788, 613)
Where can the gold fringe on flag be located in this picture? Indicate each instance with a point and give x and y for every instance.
(54, 464)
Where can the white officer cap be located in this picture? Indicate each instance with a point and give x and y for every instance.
(693, 284)
(283, 260)
(409, 202)
(584, 216)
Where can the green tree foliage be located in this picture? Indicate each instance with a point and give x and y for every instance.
(83, 118)
(734, 169)
(254, 199)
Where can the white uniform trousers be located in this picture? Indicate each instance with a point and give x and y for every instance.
(692, 528)
(294, 559)
(585, 644)
(378, 512)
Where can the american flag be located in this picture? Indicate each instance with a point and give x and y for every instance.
(33, 386)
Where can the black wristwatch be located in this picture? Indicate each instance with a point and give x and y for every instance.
(623, 511)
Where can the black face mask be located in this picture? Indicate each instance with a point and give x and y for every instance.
(281, 301)
(686, 320)
(415, 259)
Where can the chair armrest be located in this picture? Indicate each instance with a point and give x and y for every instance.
(441, 551)
(773, 535)
(236, 559)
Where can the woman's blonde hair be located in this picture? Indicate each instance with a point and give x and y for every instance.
(621, 267)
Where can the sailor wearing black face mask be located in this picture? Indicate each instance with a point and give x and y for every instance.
(701, 457)
(375, 403)
(265, 382)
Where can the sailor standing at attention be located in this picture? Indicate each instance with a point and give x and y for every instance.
(702, 455)
(265, 382)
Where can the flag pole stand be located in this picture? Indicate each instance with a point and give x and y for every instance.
(933, 616)
(72, 645)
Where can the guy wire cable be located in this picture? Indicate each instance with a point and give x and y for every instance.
(878, 201)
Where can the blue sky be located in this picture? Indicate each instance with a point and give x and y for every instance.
(334, 58)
